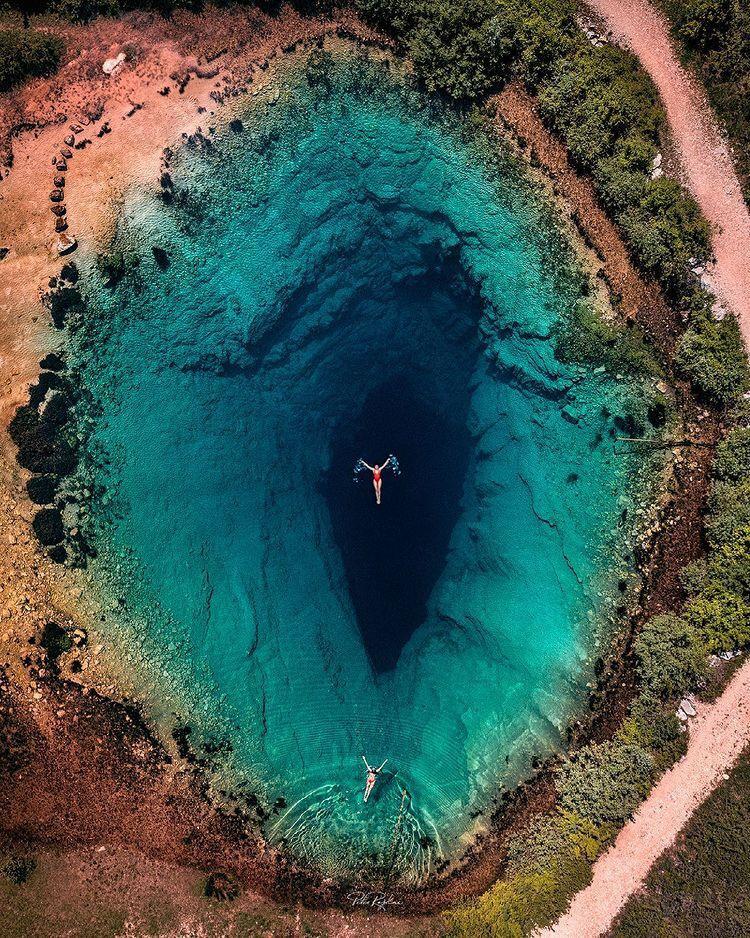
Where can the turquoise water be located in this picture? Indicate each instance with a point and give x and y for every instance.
(350, 275)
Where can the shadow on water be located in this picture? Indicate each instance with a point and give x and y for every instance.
(394, 553)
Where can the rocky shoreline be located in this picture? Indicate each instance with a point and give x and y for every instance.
(138, 794)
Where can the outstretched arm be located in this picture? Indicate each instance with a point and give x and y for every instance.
(372, 469)
(367, 764)
(386, 463)
(381, 765)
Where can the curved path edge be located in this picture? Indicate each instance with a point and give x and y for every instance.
(702, 150)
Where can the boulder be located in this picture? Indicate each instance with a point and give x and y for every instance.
(69, 141)
(688, 707)
(161, 257)
(65, 153)
(66, 244)
(59, 181)
(57, 195)
(60, 225)
(58, 210)
(110, 66)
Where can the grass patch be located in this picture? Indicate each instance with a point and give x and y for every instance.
(27, 53)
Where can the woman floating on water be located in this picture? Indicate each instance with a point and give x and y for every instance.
(377, 472)
(372, 776)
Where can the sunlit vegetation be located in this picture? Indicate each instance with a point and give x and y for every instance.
(27, 53)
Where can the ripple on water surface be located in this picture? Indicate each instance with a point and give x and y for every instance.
(351, 275)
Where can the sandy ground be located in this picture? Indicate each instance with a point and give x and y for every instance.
(705, 160)
(717, 737)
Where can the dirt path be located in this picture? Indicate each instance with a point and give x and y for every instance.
(703, 154)
(717, 737)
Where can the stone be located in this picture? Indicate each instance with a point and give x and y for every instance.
(65, 153)
(66, 244)
(60, 224)
(57, 195)
(58, 210)
(59, 181)
(688, 707)
(61, 166)
(69, 141)
(111, 65)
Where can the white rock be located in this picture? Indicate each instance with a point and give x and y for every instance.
(110, 65)
(657, 173)
(688, 707)
(657, 161)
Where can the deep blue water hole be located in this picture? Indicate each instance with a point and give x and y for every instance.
(352, 275)
(393, 553)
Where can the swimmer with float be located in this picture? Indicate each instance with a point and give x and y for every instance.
(377, 476)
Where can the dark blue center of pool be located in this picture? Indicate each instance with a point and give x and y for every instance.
(394, 552)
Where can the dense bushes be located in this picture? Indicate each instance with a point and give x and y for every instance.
(718, 587)
(714, 36)
(671, 656)
(711, 353)
(598, 99)
(604, 783)
(27, 53)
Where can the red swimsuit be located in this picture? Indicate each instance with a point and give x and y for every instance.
(376, 474)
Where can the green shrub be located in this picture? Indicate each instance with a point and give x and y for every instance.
(728, 511)
(452, 50)
(512, 908)
(671, 656)
(554, 838)
(604, 782)
(712, 355)
(83, 11)
(655, 727)
(27, 53)
(713, 38)
(597, 98)
(665, 230)
(732, 463)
